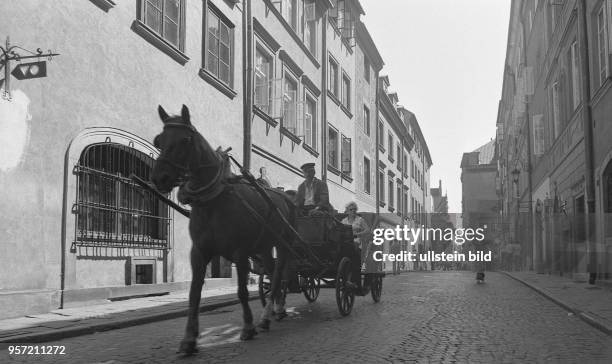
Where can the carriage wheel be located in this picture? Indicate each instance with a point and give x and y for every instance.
(376, 288)
(264, 289)
(345, 297)
(311, 288)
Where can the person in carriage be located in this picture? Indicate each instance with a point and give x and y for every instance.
(361, 231)
(312, 196)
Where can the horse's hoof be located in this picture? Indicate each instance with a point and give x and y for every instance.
(187, 347)
(281, 315)
(264, 325)
(248, 334)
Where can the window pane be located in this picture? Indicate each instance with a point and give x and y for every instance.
(213, 24)
(172, 9)
(224, 74)
(332, 147)
(224, 53)
(171, 32)
(153, 17)
(262, 77)
(225, 34)
(212, 64)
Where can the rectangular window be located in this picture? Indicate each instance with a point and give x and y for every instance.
(164, 18)
(366, 175)
(289, 121)
(538, 134)
(390, 145)
(381, 186)
(219, 48)
(390, 192)
(381, 134)
(310, 122)
(405, 164)
(346, 91)
(263, 70)
(288, 9)
(556, 117)
(399, 197)
(398, 154)
(346, 158)
(405, 210)
(575, 75)
(333, 77)
(366, 120)
(332, 147)
(366, 69)
(309, 23)
(602, 52)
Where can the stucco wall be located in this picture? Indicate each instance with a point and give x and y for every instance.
(106, 76)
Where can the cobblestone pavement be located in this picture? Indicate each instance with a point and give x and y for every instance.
(422, 317)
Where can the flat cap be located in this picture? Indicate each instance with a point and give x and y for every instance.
(307, 166)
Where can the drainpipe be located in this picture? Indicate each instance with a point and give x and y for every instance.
(587, 120)
(247, 81)
(324, 98)
(376, 103)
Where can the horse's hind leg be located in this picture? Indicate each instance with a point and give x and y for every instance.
(248, 331)
(198, 269)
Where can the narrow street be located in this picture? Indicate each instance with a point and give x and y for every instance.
(422, 317)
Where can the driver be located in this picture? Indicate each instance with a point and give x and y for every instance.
(312, 196)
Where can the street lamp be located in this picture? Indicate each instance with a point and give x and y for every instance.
(516, 173)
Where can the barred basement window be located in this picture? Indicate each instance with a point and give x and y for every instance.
(111, 211)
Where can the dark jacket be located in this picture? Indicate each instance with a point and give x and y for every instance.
(321, 195)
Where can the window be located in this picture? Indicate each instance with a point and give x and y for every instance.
(405, 210)
(399, 197)
(556, 118)
(165, 18)
(390, 146)
(332, 147)
(381, 186)
(289, 121)
(575, 75)
(366, 120)
(390, 192)
(310, 122)
(366, 175)
(263, 70)
(346, 91)
(345, 152)
(602, 52)
(218, 56)
(405, 164)
(112, 211)
(538, 134)
(333, 76)
(366, 69)
(381, 135)
(309, 24)
(288, 9)
(399, 157)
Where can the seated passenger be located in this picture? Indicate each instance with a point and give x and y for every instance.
(361, 231)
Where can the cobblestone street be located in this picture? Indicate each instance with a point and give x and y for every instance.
(422, 317)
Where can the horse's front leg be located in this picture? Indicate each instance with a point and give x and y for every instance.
(248, 331)
(198, 269)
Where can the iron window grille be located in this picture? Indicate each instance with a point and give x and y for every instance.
(111, 211)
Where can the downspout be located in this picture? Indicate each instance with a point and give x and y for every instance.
(376, 103)
(324, 98)
(247, 81)
(587, 120)
(63, 233)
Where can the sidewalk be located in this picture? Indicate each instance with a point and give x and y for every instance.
(77, 321)
(591, 303)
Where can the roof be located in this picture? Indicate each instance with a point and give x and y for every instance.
(486, 152)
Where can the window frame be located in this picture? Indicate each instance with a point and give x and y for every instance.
(331, 128)
(288, 74)
(261, 48)
(309, 96)
(366, 120)
(343, 138)
(205, 73)
(333, 87)
(367, 185)
(346, 97)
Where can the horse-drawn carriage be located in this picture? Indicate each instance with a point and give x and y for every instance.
(316, 252)
(330, 243)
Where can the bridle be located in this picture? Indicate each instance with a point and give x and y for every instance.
(185, 169)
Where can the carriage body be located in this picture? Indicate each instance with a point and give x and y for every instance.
(329, 242)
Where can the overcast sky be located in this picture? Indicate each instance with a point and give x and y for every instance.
(445, 59)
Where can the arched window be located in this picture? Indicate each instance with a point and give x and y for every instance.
(111, 211)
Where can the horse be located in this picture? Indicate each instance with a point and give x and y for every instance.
(220, 221)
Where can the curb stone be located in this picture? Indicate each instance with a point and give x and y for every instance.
(580, 314)
(114, 324)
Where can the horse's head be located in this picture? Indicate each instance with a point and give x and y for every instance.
(176, 145)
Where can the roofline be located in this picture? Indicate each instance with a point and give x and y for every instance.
(420, 135)
(363, 36)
